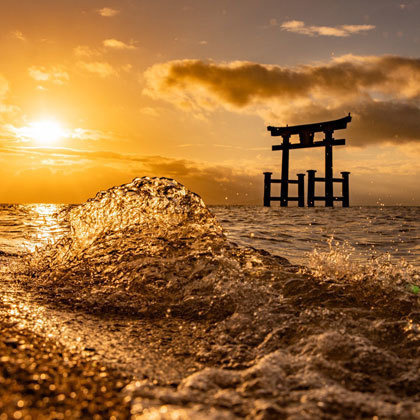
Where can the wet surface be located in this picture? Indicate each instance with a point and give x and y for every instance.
(42, 378)
(143, 348)
(199, 328)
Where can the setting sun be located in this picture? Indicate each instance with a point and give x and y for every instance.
(44, 132)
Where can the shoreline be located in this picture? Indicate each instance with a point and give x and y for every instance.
(247, 366)
(183, 323)
(40, 378)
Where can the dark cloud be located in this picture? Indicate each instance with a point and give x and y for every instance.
(372, 121)
(392, 121)
(383, 93)
(240, 83)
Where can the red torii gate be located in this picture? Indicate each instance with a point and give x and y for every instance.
(306, 134)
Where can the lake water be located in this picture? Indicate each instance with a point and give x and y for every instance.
(293, 233)
(145, 278)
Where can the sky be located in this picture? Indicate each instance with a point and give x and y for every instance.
(94, 93)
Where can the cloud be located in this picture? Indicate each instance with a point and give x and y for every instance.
(383, 92)
(393, 121)
(86, 51)
(108, 12)
(127, 67)
(88, 134)
(5, 108)
(22, 133)
(100, 68)
(149, 111)
(73, 177)
(54, 74)
(59, 152)
(373, 121)
(299, 27)
(79, 174)
(118, 45)
(18, 35)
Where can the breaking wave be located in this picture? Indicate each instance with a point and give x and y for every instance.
(147, 247)
(334, 340)
(340, 263)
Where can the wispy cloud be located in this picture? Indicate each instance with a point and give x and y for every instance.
(55, 74)
(108, 12)
(89, 134)
(22, 133)
(5, 108)
(127, 67)
(18, 35)
(285, 94)
(86, 51)
(216, 183)
(299, 27)
(118, 45)
(149, 111)
(100, 68)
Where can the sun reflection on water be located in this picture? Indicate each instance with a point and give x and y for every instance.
(44, 224)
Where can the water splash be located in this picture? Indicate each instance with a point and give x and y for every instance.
(150, 246)
(158, 207)
(340, 263)
(278, 342)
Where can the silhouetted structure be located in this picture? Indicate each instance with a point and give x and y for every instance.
(306, 134)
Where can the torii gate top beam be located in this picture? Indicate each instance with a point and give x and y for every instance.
(326, 126)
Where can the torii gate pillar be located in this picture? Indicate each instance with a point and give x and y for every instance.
(285, 173)
(329, 192)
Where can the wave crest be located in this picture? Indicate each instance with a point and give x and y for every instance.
(150, 246)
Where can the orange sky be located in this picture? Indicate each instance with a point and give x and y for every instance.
(95, 93)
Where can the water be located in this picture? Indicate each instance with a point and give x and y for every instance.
(25, 227)
(293, 233)
(144, 275)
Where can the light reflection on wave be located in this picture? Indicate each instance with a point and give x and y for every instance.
(25, 227)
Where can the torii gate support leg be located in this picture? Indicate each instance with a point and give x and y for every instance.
(311, 187)
(329, 192)
(267, 189)
(301, 190)
(346, 194)
(284, 192)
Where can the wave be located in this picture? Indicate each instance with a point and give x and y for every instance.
(147, 247)
(334, 340)
(152, 247)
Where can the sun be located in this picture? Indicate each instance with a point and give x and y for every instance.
(45, 132)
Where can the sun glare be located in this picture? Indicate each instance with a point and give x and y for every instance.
(44, 132)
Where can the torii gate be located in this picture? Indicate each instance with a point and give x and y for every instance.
(306, 137)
